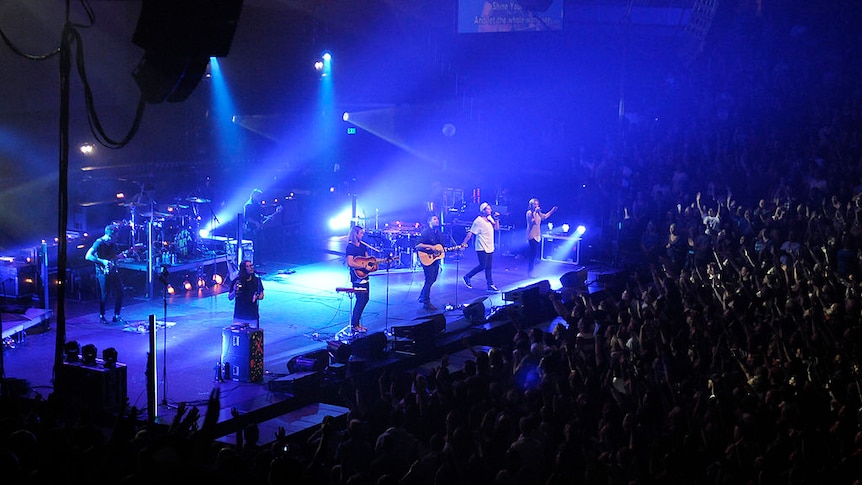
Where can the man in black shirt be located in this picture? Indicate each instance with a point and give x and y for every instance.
(104, 253)
(431, 244)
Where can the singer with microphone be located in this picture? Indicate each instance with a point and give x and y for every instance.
(246, 290)
(483, 228)
(535, 216)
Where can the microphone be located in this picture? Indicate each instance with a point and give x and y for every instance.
(163, 276)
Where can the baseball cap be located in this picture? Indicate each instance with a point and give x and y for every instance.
(483, 206)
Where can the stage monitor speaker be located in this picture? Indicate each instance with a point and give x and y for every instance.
(417, 338)
(371, 347)
(575, 279)
(474, 311)
(316, 361)
(438, 322)
(242, 353)
(532, 302)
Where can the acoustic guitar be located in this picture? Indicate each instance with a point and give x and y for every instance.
(438, 251)
(372, 263)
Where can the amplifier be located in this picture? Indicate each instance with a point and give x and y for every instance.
(17, 279)
(242, 353)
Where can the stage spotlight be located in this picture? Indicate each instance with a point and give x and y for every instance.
(88, 354)
(565, 228)
(345, 116)
(109, 357)
(217, 279)
(580, 231)
(187, 285)
(550, 226)
(71, 350)
(171, 289)
(201, 282)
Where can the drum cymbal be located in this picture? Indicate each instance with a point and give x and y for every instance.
(177, 207)
(198, 200)
(132, 204)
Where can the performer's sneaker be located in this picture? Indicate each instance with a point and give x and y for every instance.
(493, 288)
(102, 319)
(359, 329)
(467, 282)
(119, 319)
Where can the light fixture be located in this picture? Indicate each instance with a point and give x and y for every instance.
(71, 350)
(565, 228)
(201, 282)
(550, 226)
(171, 289)
(88, 354)
(109, 357)
(187, 284)
(217, 279)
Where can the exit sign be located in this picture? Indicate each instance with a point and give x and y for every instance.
(351, 131)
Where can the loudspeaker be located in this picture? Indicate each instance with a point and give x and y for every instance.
(532, 302)
(94, 387)
(474, 311)
(371, 347)
(242, 348)
(312, 362)
(178, 38)
(575, 279)
(418, 338)
(187, 27)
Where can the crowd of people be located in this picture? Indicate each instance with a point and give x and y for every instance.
(729, 354)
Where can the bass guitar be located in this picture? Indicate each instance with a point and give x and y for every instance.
(437, 252)
(371, 263)
(252, 227)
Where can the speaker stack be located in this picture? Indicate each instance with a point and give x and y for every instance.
(242, 353)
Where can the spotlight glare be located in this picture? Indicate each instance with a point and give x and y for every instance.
(565, 227)
(345, 116)
(171, 290)
(580, 230)
(204, 233)
(187, 285)
(217, 279)
(327, 56)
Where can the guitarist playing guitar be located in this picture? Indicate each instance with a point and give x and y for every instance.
(360, 265)
(430, 251)
(104, 253)
(253, 214)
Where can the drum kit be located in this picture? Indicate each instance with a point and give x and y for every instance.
(396, 237)
(175, 230)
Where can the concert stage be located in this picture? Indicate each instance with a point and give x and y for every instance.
(302, 364)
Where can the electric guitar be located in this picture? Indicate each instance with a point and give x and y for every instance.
(253, 227)
(106, 269)
(371, 263)
(438, 251)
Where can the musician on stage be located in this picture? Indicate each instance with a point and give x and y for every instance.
(360, 267)
(104, 253)
(246, 291)
(430, 243)
(483, 228)
(535, 216)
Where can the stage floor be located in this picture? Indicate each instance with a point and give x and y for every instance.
(301, 312)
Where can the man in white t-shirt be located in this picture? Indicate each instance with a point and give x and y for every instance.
(483, 228)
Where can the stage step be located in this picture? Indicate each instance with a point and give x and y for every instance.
(297, 422)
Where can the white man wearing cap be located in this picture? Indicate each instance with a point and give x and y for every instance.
(483, 228)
